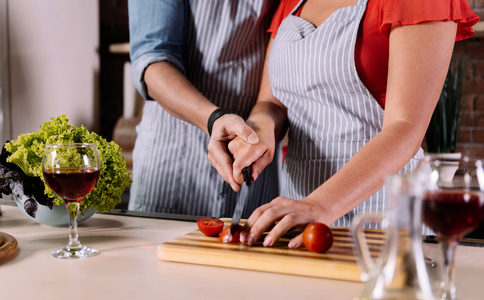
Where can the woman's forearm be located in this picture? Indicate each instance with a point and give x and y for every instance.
(364, 174)
(267, 116)
(268, 112)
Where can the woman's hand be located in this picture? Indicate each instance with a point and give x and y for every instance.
(285, 213)
(225, 129)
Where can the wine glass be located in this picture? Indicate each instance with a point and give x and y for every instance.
(71, 170)
(453, 206)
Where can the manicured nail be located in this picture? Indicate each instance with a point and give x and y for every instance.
(268, 241)
(251, 239)
(252, 138)
(243, 237)
(292, 244)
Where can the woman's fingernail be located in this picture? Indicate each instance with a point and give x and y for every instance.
(251, 239)
(268, 241)
(292, 244)
(243, 237)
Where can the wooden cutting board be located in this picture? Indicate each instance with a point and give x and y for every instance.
(8, 246)
(339, 262)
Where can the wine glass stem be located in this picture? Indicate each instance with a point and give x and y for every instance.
(448, 285)
(73, 235)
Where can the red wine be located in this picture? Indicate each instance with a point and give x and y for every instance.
(452, 213)
(72, 184)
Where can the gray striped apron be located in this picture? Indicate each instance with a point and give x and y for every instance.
(331, 113)
(223, 58)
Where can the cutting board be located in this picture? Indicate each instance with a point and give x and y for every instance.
(339, 262)
(8, 246)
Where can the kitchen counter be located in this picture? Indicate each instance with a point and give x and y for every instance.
(128, 267)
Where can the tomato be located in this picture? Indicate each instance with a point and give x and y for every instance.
(317, 237)
(210, 226)
(224, 236)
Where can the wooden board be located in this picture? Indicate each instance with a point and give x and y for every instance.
(8, 246)
(339, 262)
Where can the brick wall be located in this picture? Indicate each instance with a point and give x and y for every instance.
(478, 7)
(471, 137)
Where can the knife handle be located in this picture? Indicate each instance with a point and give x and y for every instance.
(246, 172)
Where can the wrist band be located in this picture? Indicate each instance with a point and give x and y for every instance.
(213, 117)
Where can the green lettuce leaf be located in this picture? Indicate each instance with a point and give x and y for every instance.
(27, 151)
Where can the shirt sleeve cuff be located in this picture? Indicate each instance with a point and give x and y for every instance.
(142, 62)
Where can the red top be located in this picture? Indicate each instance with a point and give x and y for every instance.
(372, 44)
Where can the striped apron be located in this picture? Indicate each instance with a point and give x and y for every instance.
(331, 113)
(223, 58)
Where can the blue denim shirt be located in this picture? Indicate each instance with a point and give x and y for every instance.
(156, 34)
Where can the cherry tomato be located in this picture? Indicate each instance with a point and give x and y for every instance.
(224, 236)
(210, 226)
(317, 237)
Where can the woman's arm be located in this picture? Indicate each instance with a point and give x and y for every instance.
(418, 63)
(268, 118)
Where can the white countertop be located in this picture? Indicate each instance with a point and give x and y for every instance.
(128, 268)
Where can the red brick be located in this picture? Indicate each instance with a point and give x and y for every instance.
(471, 48)
(476, 87)
(480, 13)
(478, 136)
(479, 122)
(468, 85)
(465, 136)
(478, 70)
(468, 119)
(467, 123)
(474, 150)
(468, 71)
(468, 103)
(478, 119)
(479, 103)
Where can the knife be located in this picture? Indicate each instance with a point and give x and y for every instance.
(241, 201)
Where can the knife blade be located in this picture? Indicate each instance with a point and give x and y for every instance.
(241, 201)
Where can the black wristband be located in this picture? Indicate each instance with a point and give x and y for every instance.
(213, 117)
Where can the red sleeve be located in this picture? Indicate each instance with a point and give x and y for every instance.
(409, 12)
(284, 9)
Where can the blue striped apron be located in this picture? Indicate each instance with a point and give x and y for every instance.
(223, 57)
(331, 113)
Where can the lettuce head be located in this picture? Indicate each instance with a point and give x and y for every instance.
(27, 150)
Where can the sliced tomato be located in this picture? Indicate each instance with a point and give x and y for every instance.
(210, 226)
(224, 236)
(317, 237)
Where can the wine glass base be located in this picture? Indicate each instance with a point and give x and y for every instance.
(81, 252)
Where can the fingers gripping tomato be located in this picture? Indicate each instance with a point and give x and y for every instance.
(210, 226)
(317, 237)
(224, 236)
